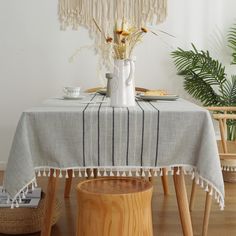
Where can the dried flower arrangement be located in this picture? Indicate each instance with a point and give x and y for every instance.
(117, 45)
(125, 38)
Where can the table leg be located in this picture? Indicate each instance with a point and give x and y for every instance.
(192, 196)
(206, 214)
(68, 184)
(89, 172)
(95, 172)
(49, 203)
(182, 200)
(164, 179)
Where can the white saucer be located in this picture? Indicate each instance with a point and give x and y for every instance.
(72, 98)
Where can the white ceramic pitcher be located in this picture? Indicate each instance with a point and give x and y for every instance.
(122, 84)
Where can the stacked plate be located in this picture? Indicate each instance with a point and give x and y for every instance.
(168, 97)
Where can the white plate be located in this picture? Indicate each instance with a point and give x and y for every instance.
(72, 98)
(170, 97)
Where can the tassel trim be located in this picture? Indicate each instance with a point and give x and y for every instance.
(228, 168)
(120, 171)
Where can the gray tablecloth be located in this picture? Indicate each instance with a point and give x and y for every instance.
(65, 134)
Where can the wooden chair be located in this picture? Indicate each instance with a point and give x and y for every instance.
(227, 158)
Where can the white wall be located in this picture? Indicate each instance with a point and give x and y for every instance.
(34, 53)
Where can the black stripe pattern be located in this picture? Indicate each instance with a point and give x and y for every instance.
(158, 124)
(84, 163)
(127, 151)
(143, 119)
(99, 130)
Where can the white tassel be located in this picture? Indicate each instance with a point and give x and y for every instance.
(105, 173)
(35, 183)
(197, 180)
(211, 192)
(85, 173)
(99, 173)
(8, 199)
(67, 176)
(155, 173)
(44, 172)
(17, 204)
(92, 174)
(130, 173)
(150, 173)
(118, 173)
(39, 173)
(178, 171)
(124, 174)
(143, 173)
(161, 173)
(49, 173)
(54, 173)
(202, 183)
(73, 173)
(137, 173)
(111, 173)
(60, 174)
(20, 200)
(215, 195)
(207, 188)
(79, 174)
(192, 175)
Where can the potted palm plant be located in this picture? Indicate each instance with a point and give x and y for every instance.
(206, 80)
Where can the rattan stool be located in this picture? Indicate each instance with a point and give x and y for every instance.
(114, 206)
(26, 220)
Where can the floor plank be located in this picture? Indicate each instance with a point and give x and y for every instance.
(166, 220)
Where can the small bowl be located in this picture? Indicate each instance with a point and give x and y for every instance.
(72, 92)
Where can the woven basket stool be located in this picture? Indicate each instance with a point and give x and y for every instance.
(26, 220)
(114, 206)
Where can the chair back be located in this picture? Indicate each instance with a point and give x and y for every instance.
(227, 149)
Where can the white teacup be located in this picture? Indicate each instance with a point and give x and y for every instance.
(72, 92)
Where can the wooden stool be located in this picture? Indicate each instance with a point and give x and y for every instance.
(114, 206)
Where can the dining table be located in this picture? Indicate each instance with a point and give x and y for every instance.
(62, 136)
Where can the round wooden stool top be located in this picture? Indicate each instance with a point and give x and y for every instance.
(114, 185)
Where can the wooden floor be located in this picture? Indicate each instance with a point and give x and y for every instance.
(166, 220)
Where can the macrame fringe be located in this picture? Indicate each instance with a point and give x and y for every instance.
(120, 171)
(76, 13)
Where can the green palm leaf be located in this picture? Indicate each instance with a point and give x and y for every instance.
(232, 42)
(201, 74)
(229, 92)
